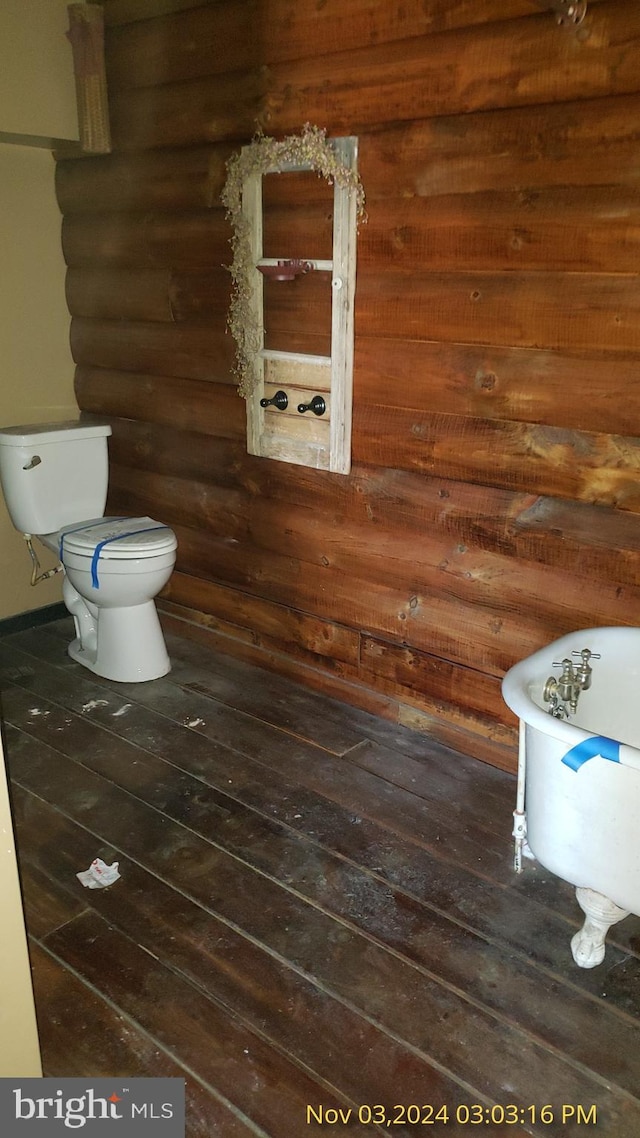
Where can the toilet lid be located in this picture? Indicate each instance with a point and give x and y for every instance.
(118, 538)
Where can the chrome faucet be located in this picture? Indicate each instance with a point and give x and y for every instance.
(560, 691)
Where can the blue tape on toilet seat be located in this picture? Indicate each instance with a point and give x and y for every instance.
(86, 526)
(598, 745)
(118, 537)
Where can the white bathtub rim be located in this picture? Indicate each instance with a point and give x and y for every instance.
(535, 669)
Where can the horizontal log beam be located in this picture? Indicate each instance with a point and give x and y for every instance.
(185, 405)
(191, 240)
(148, 294)
(597, 468)
(273, 626)
(218, 512)
(186, 41)
(547, 531)
(217, 109)
(578, 312)
(593, 229)
(588, 312)
(128, 11)
(560, 388)
(585, 143)
(486, 67)
(589, 143)
(186, 180)
(431, 683)
(523, 529)
(431, 561)
(189, 351)
(182, 450)
(114, 294)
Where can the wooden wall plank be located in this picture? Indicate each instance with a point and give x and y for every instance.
(191, 351)
(436, 12)
(590, 230)
(568, 388)
(601, 469)
(438, 563)
(217, 511)
(128, 11)
(432, 682)
(520, 527)
(198, 239)
(135, 294)
(570, 144)
(419, 566)
(148, 294)
(494, 65)
(485, 638)
(589, 142)
(113, 393)
(592, 313)
(188, 180)
(178, 448)
(216, 109)
(524, 309)
(186, 41)
(274, 626)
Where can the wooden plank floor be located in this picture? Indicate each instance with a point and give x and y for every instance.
(317, 910)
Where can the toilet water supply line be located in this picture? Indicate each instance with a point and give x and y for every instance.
(36, 575)
(519, 816)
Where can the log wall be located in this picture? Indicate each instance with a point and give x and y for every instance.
(494, 498)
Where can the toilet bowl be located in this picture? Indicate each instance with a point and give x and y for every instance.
(54, 477)
(114, 568)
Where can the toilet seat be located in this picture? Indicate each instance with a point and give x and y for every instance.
(115, 540)
(121, 539)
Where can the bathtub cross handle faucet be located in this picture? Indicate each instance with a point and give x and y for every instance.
(584, 669)
(565, 688)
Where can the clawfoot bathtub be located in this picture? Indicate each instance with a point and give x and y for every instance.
(578, 805)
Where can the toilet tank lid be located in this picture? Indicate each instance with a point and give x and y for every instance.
(37, 434)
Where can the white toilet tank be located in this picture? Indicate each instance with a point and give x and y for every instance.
(53, 474)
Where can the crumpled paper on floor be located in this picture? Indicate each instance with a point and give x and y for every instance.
(99, 874)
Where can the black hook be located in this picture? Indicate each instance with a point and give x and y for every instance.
(279, 400)
(317, 405)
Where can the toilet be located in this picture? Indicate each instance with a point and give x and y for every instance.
(54, 477)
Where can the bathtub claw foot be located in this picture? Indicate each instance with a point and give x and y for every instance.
(587, 945)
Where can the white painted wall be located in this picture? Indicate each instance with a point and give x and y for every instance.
(37, 87)
(19, 1047)
(36, 368)
(37, 104)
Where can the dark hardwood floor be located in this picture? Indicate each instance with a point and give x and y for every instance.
(317, 912)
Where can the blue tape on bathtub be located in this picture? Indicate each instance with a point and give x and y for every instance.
(100, 546)
(598, 745)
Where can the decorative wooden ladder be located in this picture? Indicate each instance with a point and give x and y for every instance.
(315, 437)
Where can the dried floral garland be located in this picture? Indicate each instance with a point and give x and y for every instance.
(310, 149)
